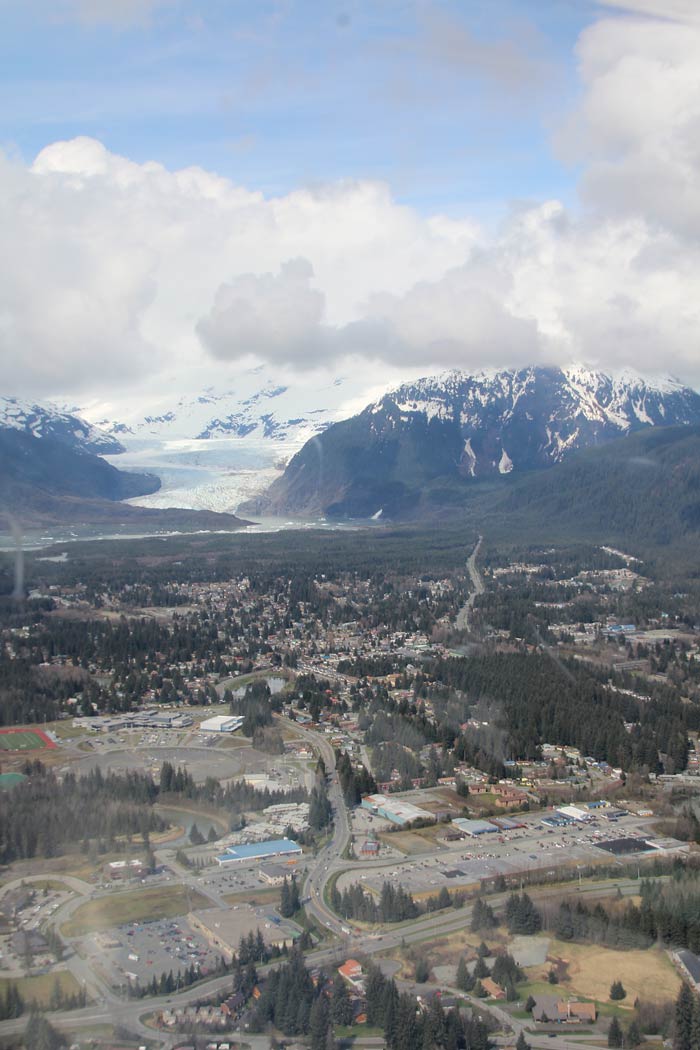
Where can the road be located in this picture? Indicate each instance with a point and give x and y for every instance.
(110, 1008)
(463, 616)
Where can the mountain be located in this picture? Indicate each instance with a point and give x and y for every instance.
(44, 481)
(461, 428)
(642, 489)
(49, 464)
(47, 421)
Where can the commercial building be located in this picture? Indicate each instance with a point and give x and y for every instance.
(475, 827)
(221, 724)
(223, 928)
(252, 851)
(125, 869)
(575, 813)
(275, 874)
(395, 810)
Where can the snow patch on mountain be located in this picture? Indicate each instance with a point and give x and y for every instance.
(43, 420)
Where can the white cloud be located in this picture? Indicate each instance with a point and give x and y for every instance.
(276, 318)
(114, 270)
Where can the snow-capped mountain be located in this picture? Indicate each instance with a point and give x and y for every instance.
(532, 417)
(48, 421)
(460, 426)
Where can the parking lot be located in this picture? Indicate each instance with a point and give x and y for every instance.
(520, 850)
(140, 951)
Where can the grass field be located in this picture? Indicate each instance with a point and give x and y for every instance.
(38, 989)
(21, 740)
(408, 842)
(140, 906)
(589, 970)
(270, 896)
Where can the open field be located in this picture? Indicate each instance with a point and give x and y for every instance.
(270, 896)
(589, 970)
(24, 740)
(408, 842)
(163, 902)
(38, 989)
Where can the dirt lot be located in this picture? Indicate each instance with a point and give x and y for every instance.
(589, 970)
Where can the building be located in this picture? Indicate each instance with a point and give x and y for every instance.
(352, 972)
(394, 809)
(493, 990)
(125, 869)
(475, 827)
(275, 874)
(223, 928)
(253, 851)
(548, 1008)
(574, 812)
(221, 724)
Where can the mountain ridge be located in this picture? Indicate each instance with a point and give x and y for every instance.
(467, 427)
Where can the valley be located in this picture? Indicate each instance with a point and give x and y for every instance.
(393, 713)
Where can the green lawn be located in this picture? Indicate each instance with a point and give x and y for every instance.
(23, 740)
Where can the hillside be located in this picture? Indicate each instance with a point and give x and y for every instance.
(644, 488)
(461, 429)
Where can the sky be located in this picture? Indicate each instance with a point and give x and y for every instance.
(397, 186)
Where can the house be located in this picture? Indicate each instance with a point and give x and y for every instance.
(493, 990)
(352, 972)
(548, 1009)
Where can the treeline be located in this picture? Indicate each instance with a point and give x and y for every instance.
(291, 1002)
(395, 904)
(236, 796)
(406, 1028)
(43, 815)
(13, 1003)
(668, 912)
(542, 698)
(355, 780)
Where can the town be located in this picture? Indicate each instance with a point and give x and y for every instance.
(216, 782)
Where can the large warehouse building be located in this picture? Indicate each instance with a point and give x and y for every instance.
(254, 851)
(221, 724)
(223, 928)
(394, 809)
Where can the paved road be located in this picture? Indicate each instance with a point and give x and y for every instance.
(463, 616)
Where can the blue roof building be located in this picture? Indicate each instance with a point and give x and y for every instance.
(252, 851)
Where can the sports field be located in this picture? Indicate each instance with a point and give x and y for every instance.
(24, 740)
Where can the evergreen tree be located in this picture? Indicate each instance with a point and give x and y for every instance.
(464, 979)
(341, 1006)
(617, 991)
(41, 1035)
(615, 1034)
(633, 1036)
(683, 1019)
(521, 1042)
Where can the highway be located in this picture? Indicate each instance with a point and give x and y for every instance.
(463, 616)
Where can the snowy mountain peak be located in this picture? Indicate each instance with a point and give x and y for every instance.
(460, 426)
(46, 420)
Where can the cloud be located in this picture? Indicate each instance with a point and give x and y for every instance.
(109, 264)
(276, 318)
(115, 270)
(637, 130)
